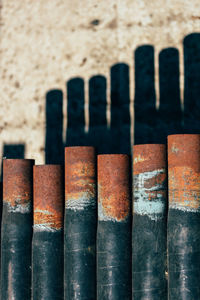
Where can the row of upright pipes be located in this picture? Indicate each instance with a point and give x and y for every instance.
(75, 247)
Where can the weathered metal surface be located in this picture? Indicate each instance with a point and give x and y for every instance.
(149, 232)
(184, 216)
(150, 178)
(80, 223)
(80, 172)
(114, 228)
(184, 172)
(16, 229)
(113, 203)
(48, 197)
(16, 184)
(47, 245)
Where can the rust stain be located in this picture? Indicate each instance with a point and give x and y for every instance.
(17, 183)
(184, 171)
(148, 157)
(48, 197)
(184, 187)
(113, 187)
(80, 175)
(158, 180)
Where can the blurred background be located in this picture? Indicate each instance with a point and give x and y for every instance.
(103, 73)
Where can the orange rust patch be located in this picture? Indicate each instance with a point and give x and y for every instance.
(184, 150)
(17, 181)
(156, 181)
(115, 206)
(159, 179)
(184, 187)
(113, 186)
(148, 157)
(48, 195)
(49, 219)
(184, 170)
(81, 178)
(80, 172)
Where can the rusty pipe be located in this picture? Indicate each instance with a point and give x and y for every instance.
(114, 227)
(149, 228)
(16, 229)
(47, 245)
(80, 223)
(184, 216)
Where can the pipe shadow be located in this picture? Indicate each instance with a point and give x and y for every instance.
(191, 47)
(152, 124)
(113, 138)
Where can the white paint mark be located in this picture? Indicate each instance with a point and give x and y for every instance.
(145, 202)
(24, 208)
(174, 149)
(139, 158)
(46, 212)
(80, 203)
(44, 227)
(184, 208)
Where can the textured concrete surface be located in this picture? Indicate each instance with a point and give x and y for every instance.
(46, 43)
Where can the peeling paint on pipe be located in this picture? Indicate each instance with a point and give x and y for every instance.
(114, 228)
(149, 228)
(80, 223)
(184, 216)
(16, 229)
(47, 245)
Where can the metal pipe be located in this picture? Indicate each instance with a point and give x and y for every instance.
(149, 228)
(47, 244)
(16, 229)
(114, 228)
(184, 216)
(80, 223)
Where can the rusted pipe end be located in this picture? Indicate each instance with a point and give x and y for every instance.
(183, 150)
(48, 197)
(80, 177)
(17, 184)
(113, 187)
(149, 180)
(184, 171)
(148, 157)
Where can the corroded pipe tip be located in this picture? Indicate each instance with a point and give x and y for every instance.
(48, 197)
(184, 171)
(148, 157)
(80, 177)
(149, 180)
(113, 187)
(17, 184)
